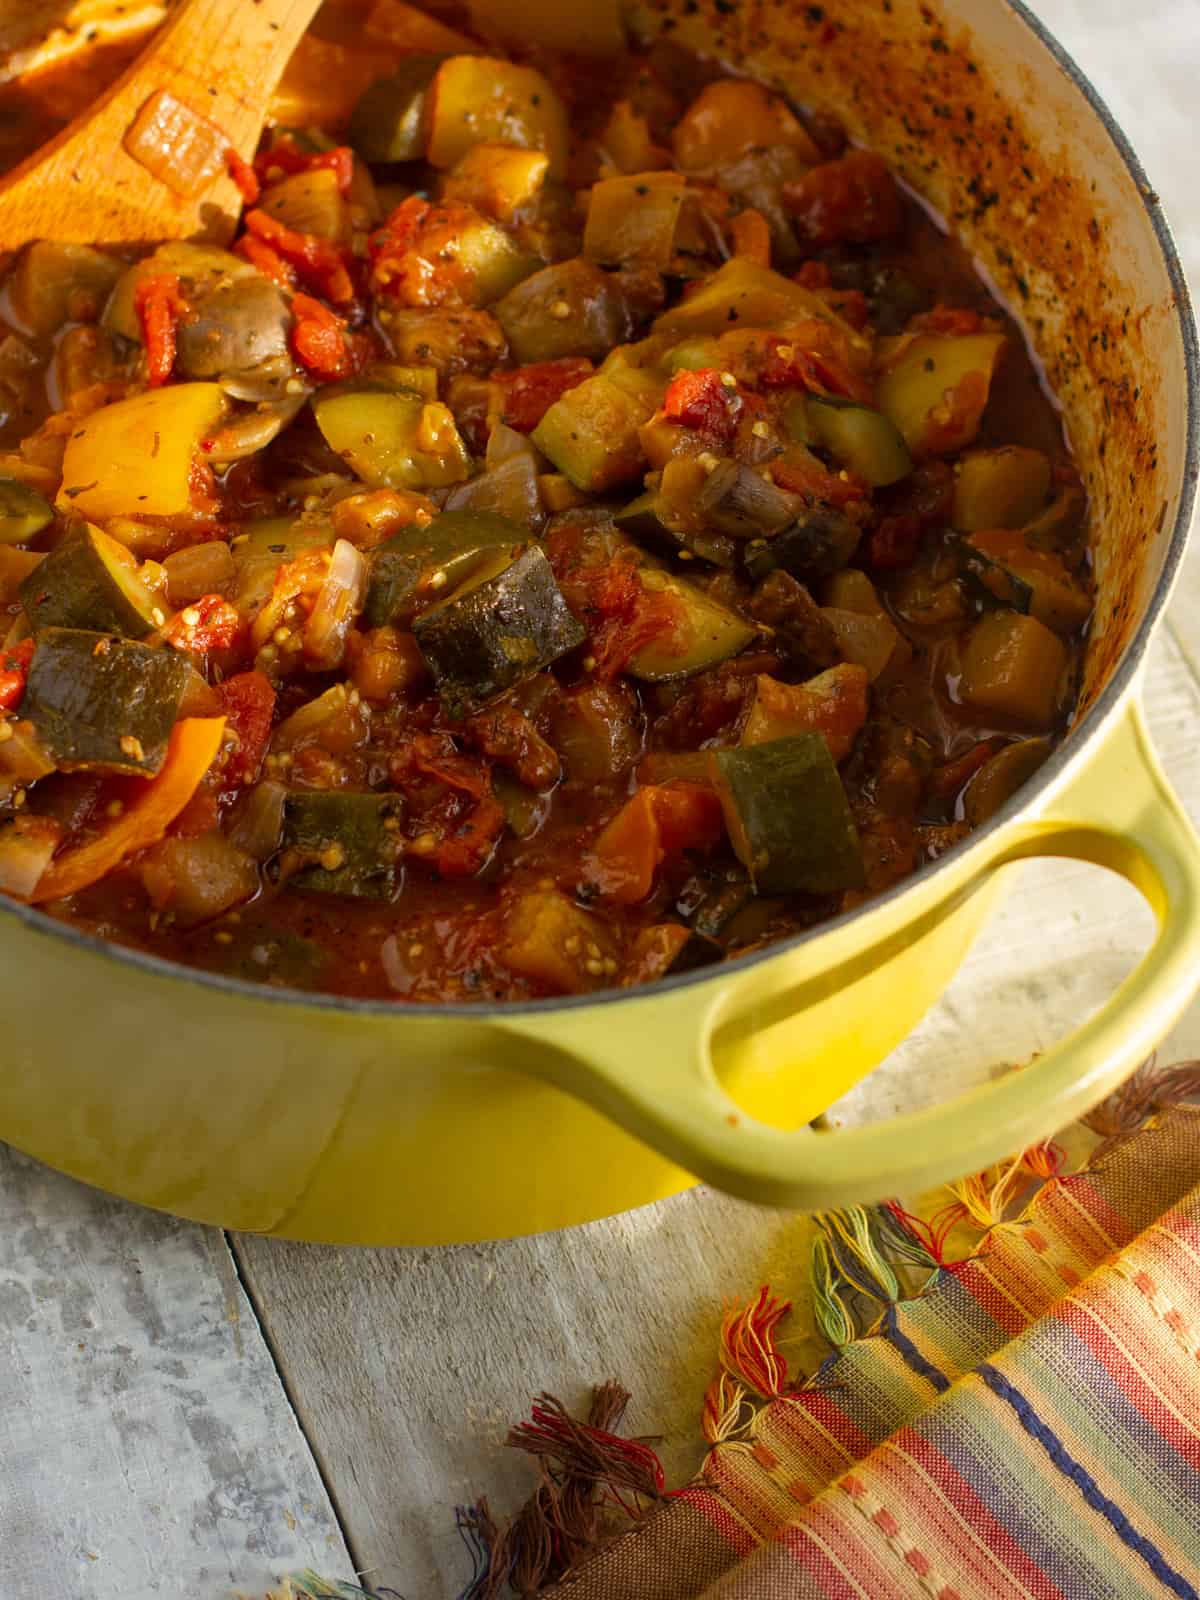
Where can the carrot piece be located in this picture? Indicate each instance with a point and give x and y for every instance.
(159, 304)
(244, 175)
(191, 751)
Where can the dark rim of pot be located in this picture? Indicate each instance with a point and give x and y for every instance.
(1064, 756)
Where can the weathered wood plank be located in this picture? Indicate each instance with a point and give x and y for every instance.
(147, 1446)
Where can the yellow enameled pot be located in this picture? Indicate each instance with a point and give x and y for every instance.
(351, 1121)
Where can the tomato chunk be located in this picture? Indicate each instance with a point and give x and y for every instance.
(660, 821)
(530, 391)
(14, 673)
(248, 701)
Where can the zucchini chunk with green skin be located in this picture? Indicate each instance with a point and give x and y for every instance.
(816, 545)
(405, 568)
(350, 844)
(632, 220)
(22, 512)
(259, 553)
(863, 441)
(591, 434)
(789, 821)
(482, 100)
(90, 582)
(392, 438)
(1003, 488)
(390, 120)
(744, 294)
(655, 520)
(703, 632)
(507, 622)
(596, 316)
(97, 701)
(934, 388)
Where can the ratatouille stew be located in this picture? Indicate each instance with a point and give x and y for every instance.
(565, 538)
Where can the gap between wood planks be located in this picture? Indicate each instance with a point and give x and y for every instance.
(232, 1244)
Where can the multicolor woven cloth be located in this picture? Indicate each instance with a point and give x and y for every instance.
(1029, 1426)
(1019, 1424)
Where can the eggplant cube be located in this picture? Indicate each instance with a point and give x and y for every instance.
(788, 818)
(503, 625)
(97, 701)
(349, 843)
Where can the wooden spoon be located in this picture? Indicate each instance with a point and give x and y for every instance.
(148, 160)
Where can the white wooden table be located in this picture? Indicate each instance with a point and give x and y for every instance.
(185, 1413)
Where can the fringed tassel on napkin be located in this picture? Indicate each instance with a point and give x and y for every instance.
(586, 1469)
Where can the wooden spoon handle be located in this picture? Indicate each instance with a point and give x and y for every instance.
(201, 85)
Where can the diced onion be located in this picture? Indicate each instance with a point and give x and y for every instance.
(509, 490)
(257, 822)
(26, 847)
(339, 601)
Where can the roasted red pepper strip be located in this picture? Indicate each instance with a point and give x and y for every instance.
(14, 671)
(322, 343)
(285, 158)
(319, 264)
(248, 701)
(269, 262)
(529, 392)
(159, 304)
(704, 401)
(244, 175)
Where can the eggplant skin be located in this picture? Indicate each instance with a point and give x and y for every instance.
(496, 632)
(236, 327)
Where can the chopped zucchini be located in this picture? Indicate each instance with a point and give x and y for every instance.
(991, 579)
(262, 549)
(703, 632)
(1001, 777)
(934, 388)
(394, 375)
(482, 100)
(506, 622)
(860, 439)
(56, 283)
(90, 581)
(1052, 594)
(392, 438)
(23, 513)
(591, 434)
(632, 219)
(789, 821)
(1012, 668)
(310, 202)
(412, 567)
(348, 844)
(742, 293)
(1003, 488)
(497, 179)
(134, 457)
(817, 544)
(98, 701)
(569, 309)
(390, 120)
(654, 519)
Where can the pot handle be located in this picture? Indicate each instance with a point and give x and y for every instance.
(1120, 813)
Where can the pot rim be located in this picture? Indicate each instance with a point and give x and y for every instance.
(1069, 754)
